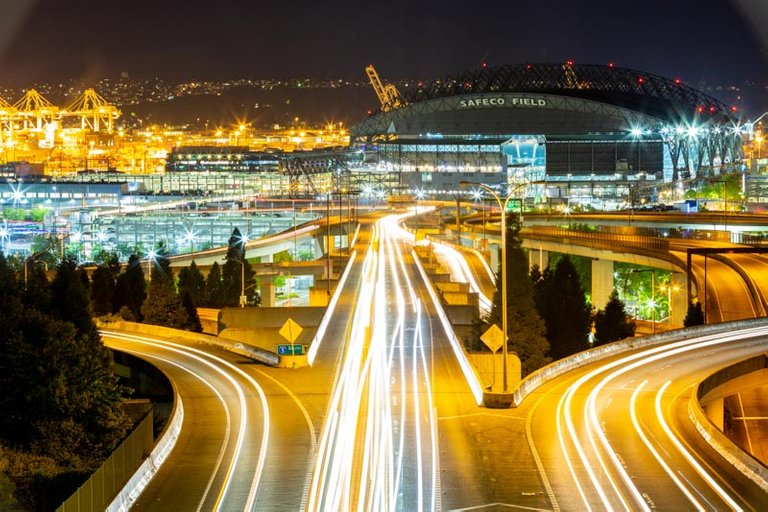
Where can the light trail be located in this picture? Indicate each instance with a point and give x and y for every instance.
(206, 359)
(227, 430)
(688, 455)
(371, 454)
(461, 272)
(655, 452)
(613, 369)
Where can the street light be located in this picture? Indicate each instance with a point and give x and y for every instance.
(150, 257)
(669, 288)
(503, 207)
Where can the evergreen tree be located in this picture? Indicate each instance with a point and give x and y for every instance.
(213, 296)
(566, 312)
(188, 304)
(236, 273)
(130, 288)
(613, 323)
(695, 315)
(69, 298)
(163, 305)
(37, 289)
(192, 282)
(526, 330)
(65, 403)
(102, 290)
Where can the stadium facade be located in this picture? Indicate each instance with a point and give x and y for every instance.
(599, 129)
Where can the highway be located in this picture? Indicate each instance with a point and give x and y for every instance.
(615, 435)
(379, 448)
(229, 440)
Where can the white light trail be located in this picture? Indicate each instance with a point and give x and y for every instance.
(623, 365)
(206, 358)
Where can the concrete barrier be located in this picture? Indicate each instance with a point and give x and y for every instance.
(141, 478)
(738, 458)
(243, 349)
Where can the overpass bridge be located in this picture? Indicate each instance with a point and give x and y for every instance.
(727, 284)
(322, 233)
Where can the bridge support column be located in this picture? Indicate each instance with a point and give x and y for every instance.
(329, 244)
(602, 282)
(538, 257)
(715, 411)
(678, 299)
(267, 291)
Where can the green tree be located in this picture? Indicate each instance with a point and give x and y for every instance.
(192, 282)
(130, 288)
(695, 315)
(37, 289)
(236, 273)
(613, 323)
(66, 401)
(70, 299)
(189, 306)
(163, 305)
(102, 290)
(566, 312)
(37, 214)
(213, 297)
(526, 330)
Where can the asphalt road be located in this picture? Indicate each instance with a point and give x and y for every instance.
(236, 417)
(616, 434)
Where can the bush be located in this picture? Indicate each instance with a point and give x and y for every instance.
(126, 314)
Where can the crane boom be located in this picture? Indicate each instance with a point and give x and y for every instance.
(388, 95)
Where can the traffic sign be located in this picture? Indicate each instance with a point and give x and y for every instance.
(493, 338)
(290, 350)
(290, 330)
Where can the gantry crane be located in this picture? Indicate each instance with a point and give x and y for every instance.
(7, 117)
(94, 111)
(32, 106)
(388, 95)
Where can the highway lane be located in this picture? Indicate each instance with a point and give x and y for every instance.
(623, 437)
(727, 295)
(379, 445)
(228, 433)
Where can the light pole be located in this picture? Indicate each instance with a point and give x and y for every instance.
(150, 258)
(503, 207)
(243, 298)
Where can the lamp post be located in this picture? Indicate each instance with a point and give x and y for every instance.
(503, 206)
(150, 258)
(669, 288)
(328, 242)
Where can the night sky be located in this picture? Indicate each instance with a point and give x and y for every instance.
(42, 40)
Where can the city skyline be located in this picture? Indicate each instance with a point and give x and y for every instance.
(85, 39)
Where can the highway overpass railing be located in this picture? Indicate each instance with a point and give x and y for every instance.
(638, 244)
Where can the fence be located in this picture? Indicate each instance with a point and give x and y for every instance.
(99, 490)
